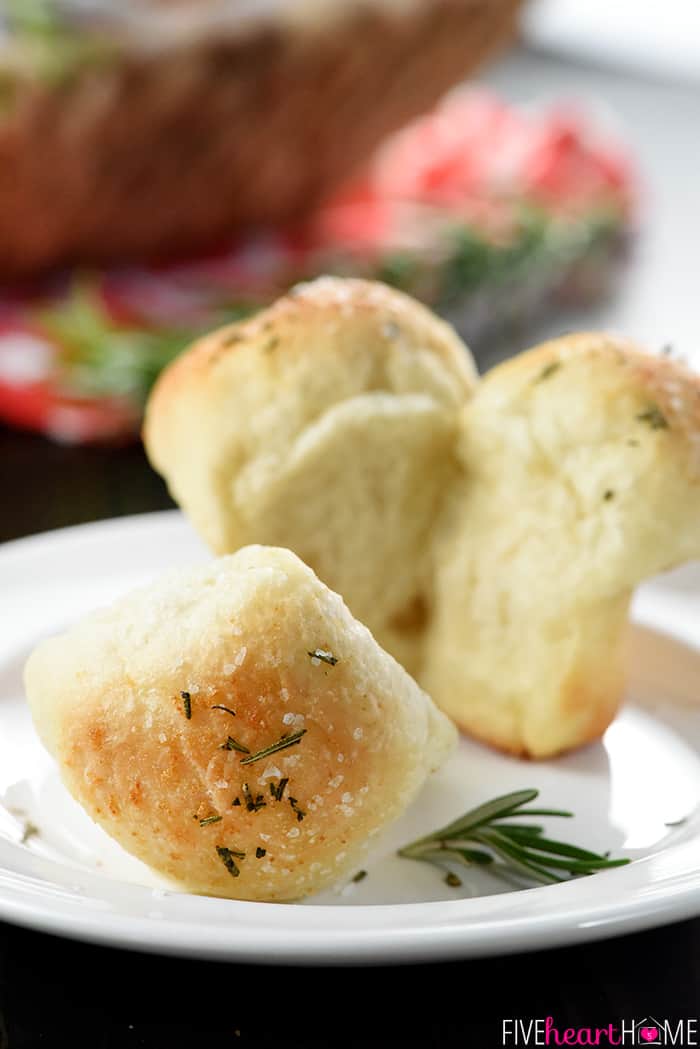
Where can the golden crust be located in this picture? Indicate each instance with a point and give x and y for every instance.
(107, 699)
(669, 386)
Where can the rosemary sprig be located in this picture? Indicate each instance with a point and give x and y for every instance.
(210, 819)
(233, 744)
(186, 704)
(220, 706)
(321, 656)
(654, 418)
(484, 836)
(277, 789)
(227, 858)
(281, 744)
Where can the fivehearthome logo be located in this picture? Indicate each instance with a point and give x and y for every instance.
(646, 1032)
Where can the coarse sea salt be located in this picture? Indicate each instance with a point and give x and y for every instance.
(270, 770)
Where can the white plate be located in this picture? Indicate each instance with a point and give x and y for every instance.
(69, 878)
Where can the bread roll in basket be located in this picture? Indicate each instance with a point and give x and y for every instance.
(144, 127)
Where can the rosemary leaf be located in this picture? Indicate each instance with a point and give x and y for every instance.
(519, 847)
(281, 744)
(323, 657)
(233, 744)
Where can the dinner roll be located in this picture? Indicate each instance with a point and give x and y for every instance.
(581, 466)
(328, 424)
(235, 728)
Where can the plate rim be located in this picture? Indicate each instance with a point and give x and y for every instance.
(345, 935)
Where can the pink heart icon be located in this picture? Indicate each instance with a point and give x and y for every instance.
(649, 1034)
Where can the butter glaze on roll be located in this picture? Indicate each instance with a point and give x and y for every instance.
(129, 704)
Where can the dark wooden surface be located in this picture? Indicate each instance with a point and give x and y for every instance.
(54, 992)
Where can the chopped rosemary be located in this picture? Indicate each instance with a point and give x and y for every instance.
(323, 657)
(28, 831)
(298, 812)
(277, 790)
(654, 417)
(452, 880)
(210, 819)
(360, 876)
(236, 801)
(252, 802)
(548, 371)
(260, 852)
(285, 741)
(519, 847)
(233, 744)
(220, 706)
(608, 495)
(187, 704)
(227, 858)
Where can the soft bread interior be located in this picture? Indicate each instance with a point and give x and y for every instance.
(329, 424)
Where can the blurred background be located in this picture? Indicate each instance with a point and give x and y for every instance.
(169, 165)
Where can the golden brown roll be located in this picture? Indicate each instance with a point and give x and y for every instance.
(582, 466)
(490, 534)
(327, 424)
(235, 728)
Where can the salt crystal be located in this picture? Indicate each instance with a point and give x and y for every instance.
(221, 784)
(340, 759)
(347, 798)
(270, 770)
(284, 694)
(240, 656)
(162, 738)
(288, 718)
(346, 810)
(357, 734)
(336, 781)
(229, 668)
(293, 833)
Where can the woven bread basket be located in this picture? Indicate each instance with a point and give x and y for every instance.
(144, 129)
